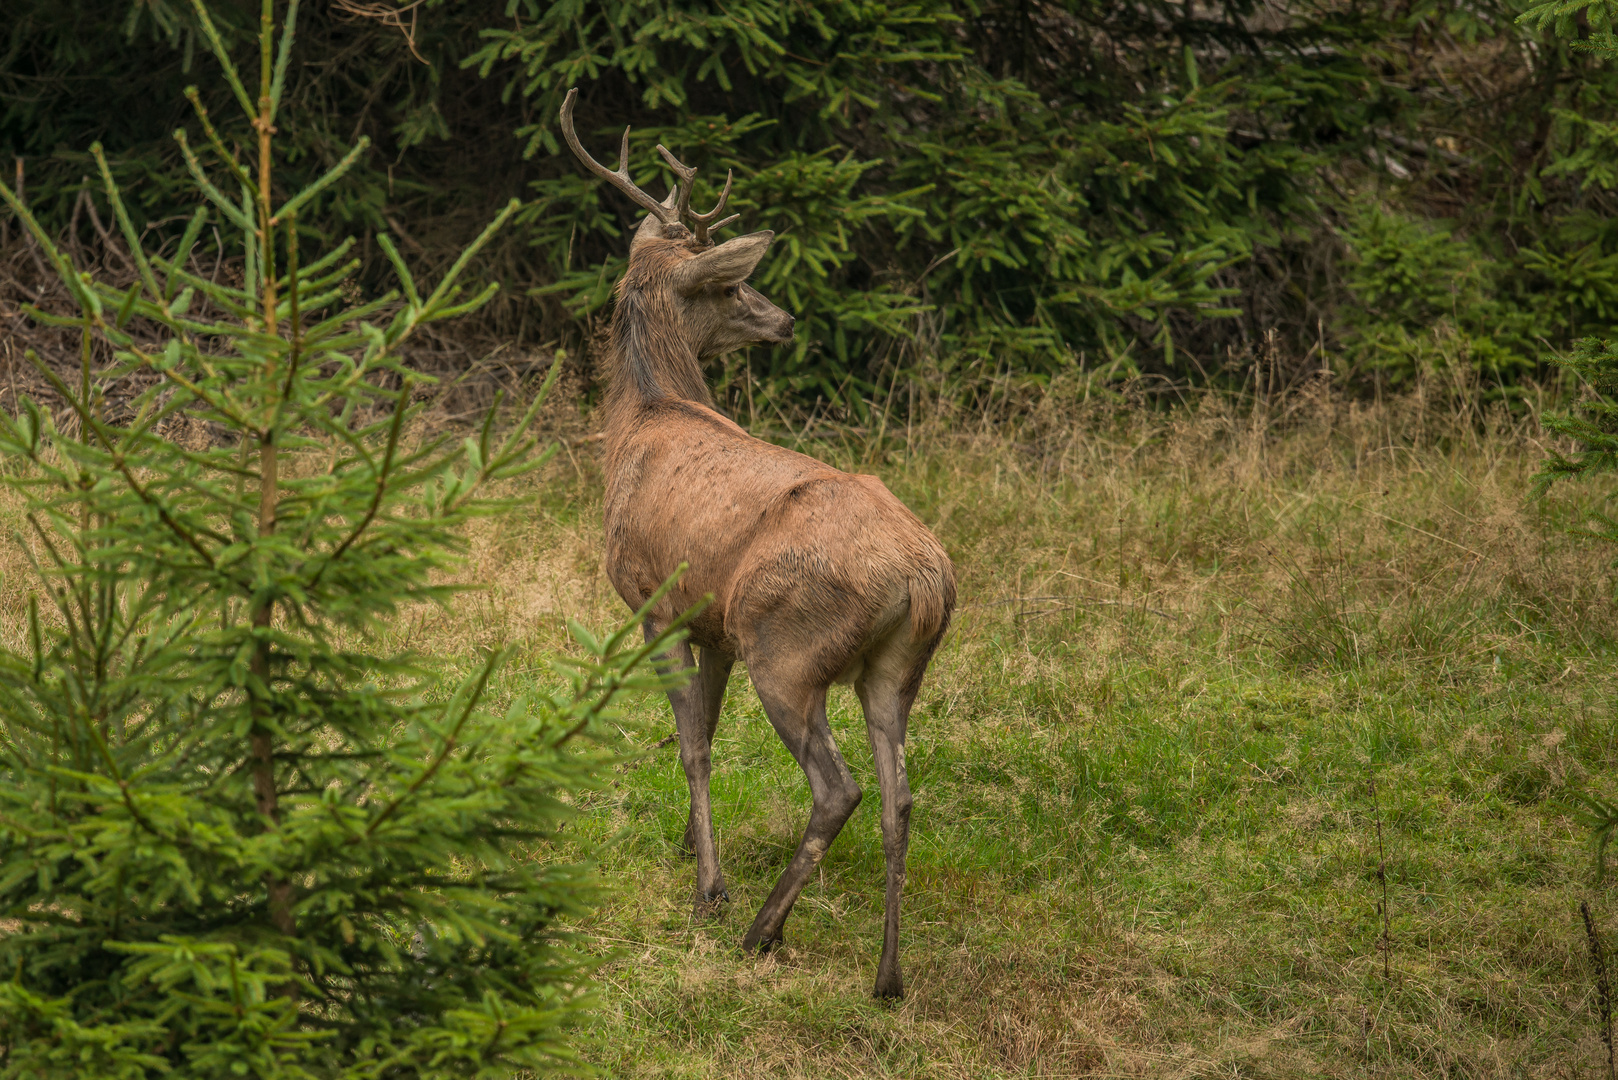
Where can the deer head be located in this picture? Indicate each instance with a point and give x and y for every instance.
(715, 310)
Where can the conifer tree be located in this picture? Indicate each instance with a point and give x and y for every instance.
(238, 837)
(1593, 424)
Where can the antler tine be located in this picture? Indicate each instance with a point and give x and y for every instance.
(619, 179)
(699, 222)
(722, 224)
(686, 175)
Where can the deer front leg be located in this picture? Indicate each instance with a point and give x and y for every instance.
(696, 714)
(713, 676)
(798, 715)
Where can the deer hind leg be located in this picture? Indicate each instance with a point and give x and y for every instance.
(887, 688)
(797, 711)
(696, 715)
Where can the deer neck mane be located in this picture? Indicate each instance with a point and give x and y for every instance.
(651, 357)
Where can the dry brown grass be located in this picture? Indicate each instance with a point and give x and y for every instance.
(1188, 637)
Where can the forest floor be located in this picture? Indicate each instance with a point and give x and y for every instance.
(1210, 670)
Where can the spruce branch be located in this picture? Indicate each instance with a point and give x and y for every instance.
(385, 242)
(62, 566)
(59, 262)
(467, 255)
(295, 314)
(131, 237)
(188, 240)
(331, 176)
(221, 402)
(380, 490)
(284, 59)
(221, 151)
(251, 250)
(121, 463)
(223, 55)
(448, 743)
(231, 211)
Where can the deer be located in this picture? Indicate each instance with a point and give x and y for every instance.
(812, 576)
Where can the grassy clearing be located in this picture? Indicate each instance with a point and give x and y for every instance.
(1199, 655)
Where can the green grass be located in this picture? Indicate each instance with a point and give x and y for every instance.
(1145, 838)
(1182, 878)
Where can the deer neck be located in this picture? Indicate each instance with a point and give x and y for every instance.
(652, 359)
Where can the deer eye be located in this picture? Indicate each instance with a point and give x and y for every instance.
(730, 290)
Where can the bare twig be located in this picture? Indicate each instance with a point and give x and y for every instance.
(388, 15)
(404, 234)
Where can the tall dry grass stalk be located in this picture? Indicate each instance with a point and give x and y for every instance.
(1598, 965)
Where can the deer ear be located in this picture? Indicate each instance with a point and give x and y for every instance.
(728, 264)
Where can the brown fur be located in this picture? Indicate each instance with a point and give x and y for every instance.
(816, 575)
(762, 528)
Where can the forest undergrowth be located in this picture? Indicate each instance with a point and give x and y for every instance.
(1226, 675)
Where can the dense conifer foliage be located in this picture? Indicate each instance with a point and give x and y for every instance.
(992, 186)
(240, 833)
(1593, 424)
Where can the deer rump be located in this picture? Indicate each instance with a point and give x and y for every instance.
(811, 563)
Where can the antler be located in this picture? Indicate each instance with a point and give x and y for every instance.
(619, 179)
(699, 222)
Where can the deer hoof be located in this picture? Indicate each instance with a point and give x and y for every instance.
(760, 944)
(709, 904)
(890, 984)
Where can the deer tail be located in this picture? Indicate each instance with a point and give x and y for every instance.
(932, 598)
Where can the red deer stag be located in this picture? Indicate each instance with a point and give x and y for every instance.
(817, 576)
